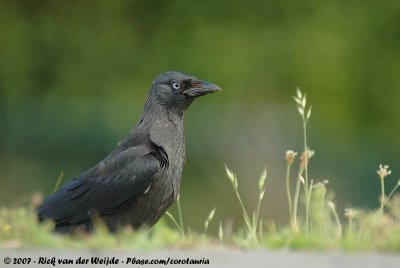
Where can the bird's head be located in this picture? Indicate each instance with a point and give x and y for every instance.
(177, 90)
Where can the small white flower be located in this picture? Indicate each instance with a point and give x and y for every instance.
(350, 213)
(320, 186)
(383, 171)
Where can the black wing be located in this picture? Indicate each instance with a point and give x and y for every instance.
(103, 189)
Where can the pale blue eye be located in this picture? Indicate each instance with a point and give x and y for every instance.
(176, 86)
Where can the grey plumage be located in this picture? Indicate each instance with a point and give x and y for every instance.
(136, 183)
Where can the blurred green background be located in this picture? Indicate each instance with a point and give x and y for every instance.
(74, 76)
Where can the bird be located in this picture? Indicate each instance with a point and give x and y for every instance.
(136, 183)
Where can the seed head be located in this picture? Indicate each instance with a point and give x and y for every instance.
(331, 205)
(350, 213)
(321, 186)
(305, 157)
(231, 177)
(262, 180)
(290, 156)
(301, 101)
(383, 171)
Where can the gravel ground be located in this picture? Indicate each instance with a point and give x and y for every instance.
(216, 258)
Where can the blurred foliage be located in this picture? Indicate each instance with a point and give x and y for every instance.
(20, 229)
(74, 75)
(370, 231)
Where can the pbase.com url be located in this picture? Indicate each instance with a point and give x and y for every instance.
(166, 261)
(102, 261)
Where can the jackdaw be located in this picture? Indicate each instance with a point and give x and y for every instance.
(137, 182)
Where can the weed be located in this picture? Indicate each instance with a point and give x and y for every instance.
(251, 225)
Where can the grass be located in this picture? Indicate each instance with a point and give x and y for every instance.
(314, 222)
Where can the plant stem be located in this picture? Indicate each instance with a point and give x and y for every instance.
(289, 196)
(255, 223)
(175, 222)
(295, 227)
(261, 188)
(306, 173)
(322, 210)
(58, 182)
(243, 209)
(382, 194)
(391, 193)
(221, 233)
(252, 227)
(338, 224)
(178, 203)
(308, 201)
(350, 226)
(257, 213)
(246, 217)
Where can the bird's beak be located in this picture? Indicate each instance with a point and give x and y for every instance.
(200, 88)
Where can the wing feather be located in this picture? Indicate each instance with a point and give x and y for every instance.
(113, 183)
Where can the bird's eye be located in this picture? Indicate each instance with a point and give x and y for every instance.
(176, 86)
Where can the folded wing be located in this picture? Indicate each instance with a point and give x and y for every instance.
(116, 181)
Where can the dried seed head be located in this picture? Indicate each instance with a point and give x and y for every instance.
(305, 157)
(290, 156)
(383, 171)
(350, 213)
(320, 186)
(331, 205)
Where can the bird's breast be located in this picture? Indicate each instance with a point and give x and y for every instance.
(169, 135)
